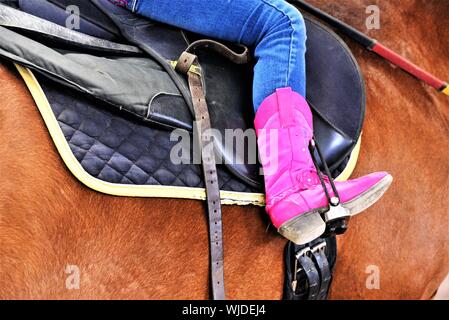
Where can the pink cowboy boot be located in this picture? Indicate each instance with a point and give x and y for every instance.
(299, 199)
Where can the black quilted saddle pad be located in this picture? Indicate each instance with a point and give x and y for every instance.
(122, 155)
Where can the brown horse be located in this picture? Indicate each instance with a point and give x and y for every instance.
(158, 249)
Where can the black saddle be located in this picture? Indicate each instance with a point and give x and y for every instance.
(335, 85)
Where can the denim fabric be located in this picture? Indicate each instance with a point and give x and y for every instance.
(274, 28)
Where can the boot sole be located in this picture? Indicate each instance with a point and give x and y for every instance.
(310, 226)
(360, 203)
(369, 197)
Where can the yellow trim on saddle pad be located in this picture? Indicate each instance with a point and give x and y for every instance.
(145, 191)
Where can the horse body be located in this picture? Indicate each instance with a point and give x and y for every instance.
(51, 226)
(406, 133)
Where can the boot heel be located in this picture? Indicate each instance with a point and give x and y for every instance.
(304, 228)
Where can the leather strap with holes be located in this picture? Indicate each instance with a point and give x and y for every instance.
(323, 267)
(206, 144)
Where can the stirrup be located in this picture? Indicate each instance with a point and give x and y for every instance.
(336, 217)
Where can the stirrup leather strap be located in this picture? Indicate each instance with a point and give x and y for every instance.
(188, 64)
(203, 125)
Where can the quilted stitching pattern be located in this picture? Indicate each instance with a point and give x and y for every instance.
(116, 148)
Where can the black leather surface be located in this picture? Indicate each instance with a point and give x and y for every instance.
(335, 85)
(336, 90)
(313, 270)
(324, 270)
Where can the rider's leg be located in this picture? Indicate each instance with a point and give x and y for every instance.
(273, 27)
(296, 197)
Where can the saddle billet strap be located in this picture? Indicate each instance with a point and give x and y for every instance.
(13, 18)
(309, 269)
(320, 259)
(312, 275)
(203, 125)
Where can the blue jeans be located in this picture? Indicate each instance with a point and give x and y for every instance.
(274, 28)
